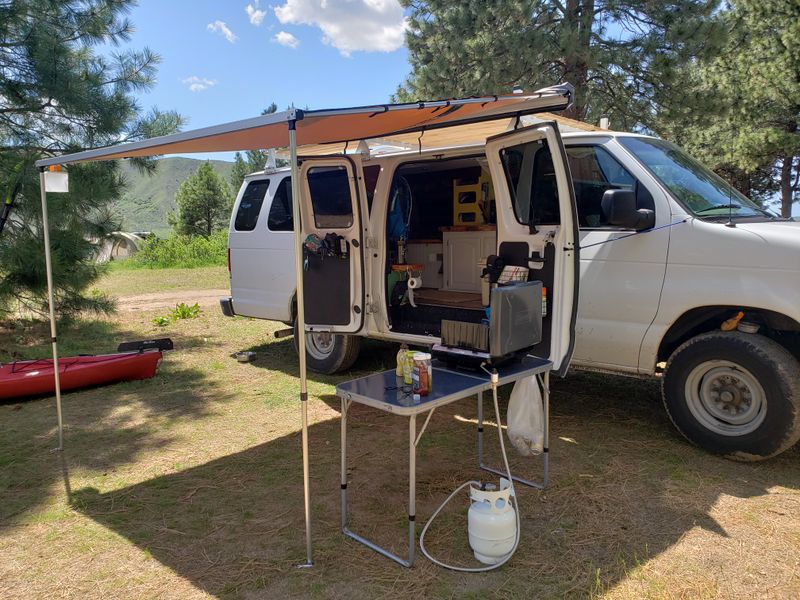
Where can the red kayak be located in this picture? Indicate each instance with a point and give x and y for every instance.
(35, 377)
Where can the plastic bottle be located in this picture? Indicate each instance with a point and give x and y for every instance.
(401, 359)
(408, 367)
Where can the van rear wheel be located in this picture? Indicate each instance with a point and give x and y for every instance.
(734, 394)
(329, 353)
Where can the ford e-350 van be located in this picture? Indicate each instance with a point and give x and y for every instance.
(703, 258)
(431, 216)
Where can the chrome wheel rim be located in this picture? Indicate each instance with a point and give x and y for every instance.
(320, 344)
(726, 398)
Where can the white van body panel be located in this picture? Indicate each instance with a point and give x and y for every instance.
(754, 265)
(621, 280)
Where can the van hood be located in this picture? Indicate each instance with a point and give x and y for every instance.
(785, 234)
(772, 245)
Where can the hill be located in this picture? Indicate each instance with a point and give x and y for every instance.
(149, 198)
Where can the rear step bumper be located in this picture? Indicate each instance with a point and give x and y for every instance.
(226, 304)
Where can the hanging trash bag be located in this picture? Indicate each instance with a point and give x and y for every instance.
(526, 417)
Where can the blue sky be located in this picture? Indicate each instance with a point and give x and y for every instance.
(223, 61)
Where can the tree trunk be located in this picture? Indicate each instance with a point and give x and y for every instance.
(786, 187)
(577, 33)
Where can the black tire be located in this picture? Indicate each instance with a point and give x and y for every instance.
(734, 394)
(341, 355)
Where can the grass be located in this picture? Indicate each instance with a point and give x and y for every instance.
(126, 282)
(188, 485)
(179, 251)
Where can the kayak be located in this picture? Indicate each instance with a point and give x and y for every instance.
(35, 377)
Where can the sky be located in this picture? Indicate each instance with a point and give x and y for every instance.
(228, 60)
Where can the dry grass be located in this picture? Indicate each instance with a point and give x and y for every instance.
(189, 486)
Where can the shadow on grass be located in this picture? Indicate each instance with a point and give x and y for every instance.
(279, 355)
(105, 427)
(625, 488)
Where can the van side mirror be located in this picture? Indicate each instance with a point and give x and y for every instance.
(619, 207)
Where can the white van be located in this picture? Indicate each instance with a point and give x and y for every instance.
(668, 254)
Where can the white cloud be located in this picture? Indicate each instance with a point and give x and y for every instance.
(255, 13)
(352, 25)
(222, 29)
(198, 84)
(284, 38)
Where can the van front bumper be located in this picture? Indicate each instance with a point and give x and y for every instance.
(226, 304)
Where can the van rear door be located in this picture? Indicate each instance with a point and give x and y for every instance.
(537, 226)
(261, 233)
(333, 211)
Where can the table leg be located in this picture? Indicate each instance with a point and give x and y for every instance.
(545, 441)
(343, 442)
(412, 487)
(480, 428)
(412, 493)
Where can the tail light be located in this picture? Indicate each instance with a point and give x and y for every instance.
(229, 260)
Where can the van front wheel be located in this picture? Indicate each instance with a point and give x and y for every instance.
(329, 353)
(734, 394)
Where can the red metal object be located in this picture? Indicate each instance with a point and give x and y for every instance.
(35, 377)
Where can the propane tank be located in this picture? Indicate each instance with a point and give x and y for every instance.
(492, 523)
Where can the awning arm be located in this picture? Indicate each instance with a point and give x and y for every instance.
(300, 333)
(51, 305)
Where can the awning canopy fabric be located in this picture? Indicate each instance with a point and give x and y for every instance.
(471, 134)
(327, 126)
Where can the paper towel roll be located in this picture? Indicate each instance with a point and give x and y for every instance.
(414, 282)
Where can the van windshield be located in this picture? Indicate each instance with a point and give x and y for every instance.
(698, 189)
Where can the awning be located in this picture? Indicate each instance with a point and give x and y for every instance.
(329, 126)
(471, 134)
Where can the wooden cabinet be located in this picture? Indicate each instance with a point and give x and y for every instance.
(462, 252)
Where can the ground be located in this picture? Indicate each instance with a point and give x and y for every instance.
(189, 485)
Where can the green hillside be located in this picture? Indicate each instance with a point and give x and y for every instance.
(149, 198)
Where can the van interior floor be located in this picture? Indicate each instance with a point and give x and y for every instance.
(434, 306)
(447, 299)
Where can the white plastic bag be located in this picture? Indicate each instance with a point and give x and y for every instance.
(525, 417)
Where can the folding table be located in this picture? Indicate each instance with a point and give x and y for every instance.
(385, 391)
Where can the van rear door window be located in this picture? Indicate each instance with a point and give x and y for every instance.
(281, 217)
(330, 197)
(250, 205)
(532, 181)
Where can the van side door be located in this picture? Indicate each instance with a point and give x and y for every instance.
(537, 226)
(333, 211)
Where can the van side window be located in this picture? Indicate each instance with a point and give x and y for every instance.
(532, 180)
(330, 197)
(594, 170)
(281, 217)
(250, 205)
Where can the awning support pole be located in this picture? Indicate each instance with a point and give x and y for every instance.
(51, 303)
(301, 337)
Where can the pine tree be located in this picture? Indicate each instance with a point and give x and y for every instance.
(204, 203)
(620, 55)
(239, 172)
(58, 95)
(741, 114)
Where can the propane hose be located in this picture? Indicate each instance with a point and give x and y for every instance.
(494, 379)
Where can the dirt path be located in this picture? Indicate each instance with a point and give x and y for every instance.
(170, 299)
